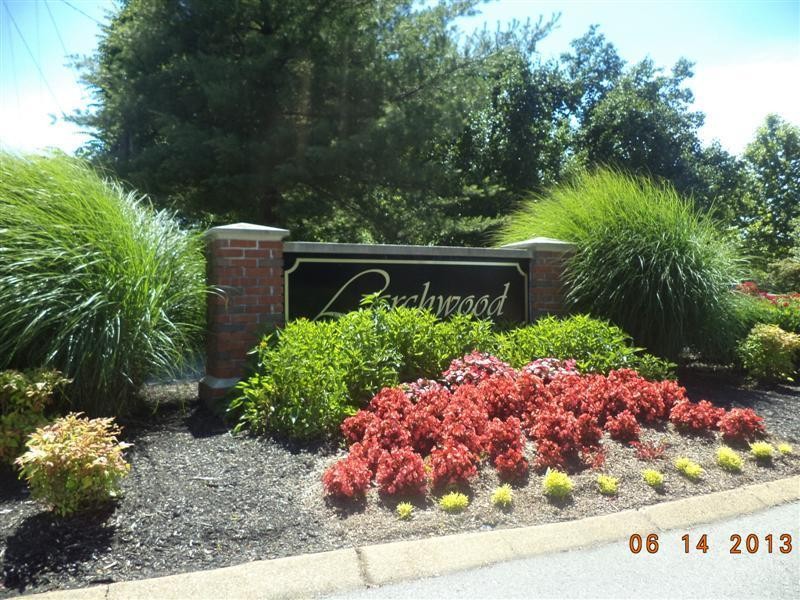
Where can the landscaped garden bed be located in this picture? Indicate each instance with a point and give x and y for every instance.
(199, 498)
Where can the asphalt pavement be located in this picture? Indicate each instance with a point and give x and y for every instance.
(614, 571)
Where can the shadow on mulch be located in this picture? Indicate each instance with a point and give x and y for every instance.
(11, 487)
(46, 544)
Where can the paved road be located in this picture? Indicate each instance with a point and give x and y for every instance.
(612, 571)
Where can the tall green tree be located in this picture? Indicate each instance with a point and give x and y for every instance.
(773, 158)
(328, 117)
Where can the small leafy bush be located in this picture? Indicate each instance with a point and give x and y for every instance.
(75, 463)
(729, 459)
(689, 468)
(697, 417)
(648, 450)
(24, 398)
(348, 478)
(503, 496)
(785, 449)
(653, 478)
(453, 502)
(607, 485)
(312, 375)
(404, 511)
(595, 346)
(768, 353)
(762, 451)
(624, 427)
(401, 471)
(741, 424)
(556, 484)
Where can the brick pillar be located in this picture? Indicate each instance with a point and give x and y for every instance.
(548, 256)
(245, 262)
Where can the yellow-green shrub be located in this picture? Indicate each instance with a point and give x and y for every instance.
(689, 468)
(557, 484)
(729, 459)
(785, 449)
(404, 510)
(75, 463)
(503, 496)
(768, 352)
(653, 478)
(608, 485)
(762, 450)
(24, 397)
(453, 502)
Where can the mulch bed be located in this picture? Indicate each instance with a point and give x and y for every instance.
(199, 498)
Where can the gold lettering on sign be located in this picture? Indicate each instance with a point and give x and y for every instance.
(442, 306)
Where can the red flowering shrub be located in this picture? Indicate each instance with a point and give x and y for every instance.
(487, 408)
(741, 424)
(347, 478)
(390, 403)
(624, 427)
(388, 434)
(401, 471)
(501, 397)
(697, 418)
(474, 368)
(452, 463)
(648, 450)
(547, 369)
(353, 428)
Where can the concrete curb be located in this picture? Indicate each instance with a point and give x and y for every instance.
(311, 575)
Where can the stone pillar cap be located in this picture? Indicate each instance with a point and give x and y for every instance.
(247, 231)
(544, 244)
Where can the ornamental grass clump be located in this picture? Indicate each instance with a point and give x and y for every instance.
(557, 485)
(688, 468)
(607, 485)
(503, 496)
(453, 502)
(74, 464)
(762, 451)
(729, 459)
(645, 257)
(653, 478)
(94, 282)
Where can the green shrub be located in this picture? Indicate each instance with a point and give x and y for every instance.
(768, 352)
(24, 397)
(503, 496)
(557, 485)
(312, 375)
(690, 469)
(93, 281)
(607, 485)
(404, 511)
(785, 449)
(762, 451)
(729, 459)
(74, 464)
(645, 258)
(653, 478)
(453, 502)
(596, 346)
(784, 275)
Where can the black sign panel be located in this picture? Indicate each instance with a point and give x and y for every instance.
(321, 286)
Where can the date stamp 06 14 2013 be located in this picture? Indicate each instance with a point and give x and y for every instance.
(738, 543)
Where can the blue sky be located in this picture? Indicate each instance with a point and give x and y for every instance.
(747, 55)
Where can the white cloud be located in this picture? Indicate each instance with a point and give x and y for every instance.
(737, 97)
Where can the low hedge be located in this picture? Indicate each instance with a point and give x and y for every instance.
(310, 376)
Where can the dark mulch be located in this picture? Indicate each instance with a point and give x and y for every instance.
(199, 498)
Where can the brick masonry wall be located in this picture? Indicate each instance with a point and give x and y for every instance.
(545, 281)
(245, 263)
